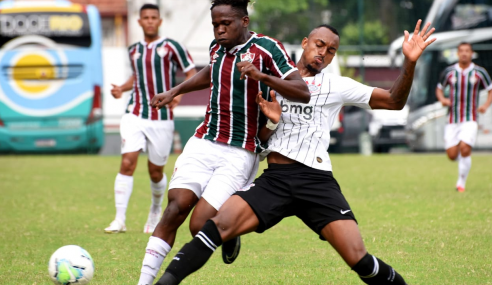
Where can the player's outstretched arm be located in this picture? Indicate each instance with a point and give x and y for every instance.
(272, 111)
(199, 81)
(396, 97)
(292, 87)
(177, 99)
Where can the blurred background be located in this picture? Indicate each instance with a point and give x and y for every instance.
(56, 78)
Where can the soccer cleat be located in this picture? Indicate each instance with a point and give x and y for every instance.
(460, 189)
(115, 227)
(152, 222)
(230, 250)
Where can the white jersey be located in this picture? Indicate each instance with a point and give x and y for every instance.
(303, 133)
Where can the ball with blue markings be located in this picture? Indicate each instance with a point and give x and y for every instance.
(71, 264)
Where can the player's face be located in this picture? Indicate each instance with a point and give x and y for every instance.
(319, 49)
(229, 27)
(465, 54)
(150, 21)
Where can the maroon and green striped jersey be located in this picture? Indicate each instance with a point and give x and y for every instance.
(154, 67)
(464, 85)
(233, 116)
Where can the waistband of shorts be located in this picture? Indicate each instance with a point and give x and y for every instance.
(296, 165)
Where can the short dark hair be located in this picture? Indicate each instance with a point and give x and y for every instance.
(465, 43)
(331, 28)
(149, 6)
(238, 5)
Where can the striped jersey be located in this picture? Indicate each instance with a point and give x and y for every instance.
(233, 116)
(154, 67)
(464, 85)
(303, 132)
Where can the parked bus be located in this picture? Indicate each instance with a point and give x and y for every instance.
(455, 21)
(51, 77)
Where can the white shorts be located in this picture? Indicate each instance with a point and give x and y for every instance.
(214, 171)
(461, 132)
(138, 134)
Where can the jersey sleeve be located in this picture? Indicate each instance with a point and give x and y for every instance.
(131, 52)
(280, 64)
(354, 93)
(181, 56)
(485, 78)
(443, 79)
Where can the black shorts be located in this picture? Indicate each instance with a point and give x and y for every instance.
(285, 190)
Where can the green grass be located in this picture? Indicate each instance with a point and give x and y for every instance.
(409, 214)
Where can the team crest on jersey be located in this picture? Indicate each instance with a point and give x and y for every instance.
(123, 141)
(162, 50)
(248, 56)
(453, 80)
(473, 80)
(313, 87)
(136, 55)
(214, 57)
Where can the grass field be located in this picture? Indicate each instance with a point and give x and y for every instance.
(409, 214)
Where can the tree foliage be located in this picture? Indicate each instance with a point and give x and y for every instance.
(291, 20)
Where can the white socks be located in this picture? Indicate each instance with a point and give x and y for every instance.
(464, 165)
(123, 187)
(156, 251)
(158, 191)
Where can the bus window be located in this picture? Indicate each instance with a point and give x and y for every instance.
(468, 14)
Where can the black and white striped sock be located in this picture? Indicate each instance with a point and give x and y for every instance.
(193, 255)
(373, 271)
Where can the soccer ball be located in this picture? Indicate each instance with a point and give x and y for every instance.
(71, 264)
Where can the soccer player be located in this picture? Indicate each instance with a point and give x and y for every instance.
(464, 79)
(221, 157)
(299, 179)
(154, 61)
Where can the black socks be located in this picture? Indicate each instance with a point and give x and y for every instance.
(193, 255)
(373, 271)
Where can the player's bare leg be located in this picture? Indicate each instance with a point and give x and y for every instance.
(202, 213)
(345, 237)
(453, 152)
(158, 184)
(123, 187)
(235, 218)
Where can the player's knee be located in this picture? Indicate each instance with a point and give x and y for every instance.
(156, 176)
(465, 151)
(127, 166)
(225, 226)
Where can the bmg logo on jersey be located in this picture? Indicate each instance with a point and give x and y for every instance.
(305, 111)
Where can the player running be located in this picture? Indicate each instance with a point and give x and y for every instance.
(154, 61)
(464, 79)
(299, 180)
(221, 157)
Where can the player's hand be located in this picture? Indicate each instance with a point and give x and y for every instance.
(161, 99)
(272, 109)
(116, 91)
(175, 102)
(248, 69)
(413, 48)
(446, 102)
(482, 109)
